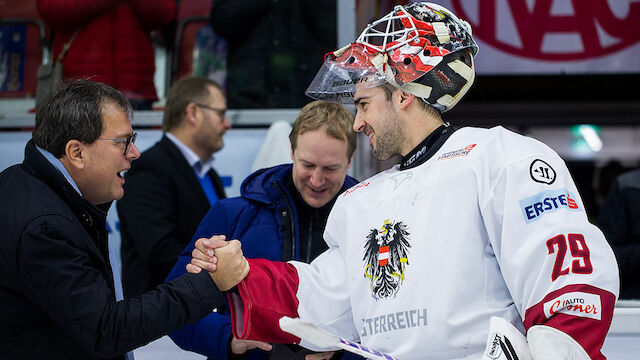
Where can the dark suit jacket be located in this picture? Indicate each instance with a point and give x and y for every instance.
(159, 213)
(620, 223)
(57, 299)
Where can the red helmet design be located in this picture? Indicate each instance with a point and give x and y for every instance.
(422, 48)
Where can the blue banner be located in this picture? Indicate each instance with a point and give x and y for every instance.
(13, 40)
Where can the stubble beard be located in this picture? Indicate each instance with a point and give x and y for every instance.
(208, 144)
(389, 140)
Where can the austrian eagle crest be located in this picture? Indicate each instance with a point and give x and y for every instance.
(386, 257)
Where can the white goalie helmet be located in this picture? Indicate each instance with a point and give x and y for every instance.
(421, 48)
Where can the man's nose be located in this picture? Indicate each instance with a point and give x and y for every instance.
(133, 152)
(358, 124)
(317, 178)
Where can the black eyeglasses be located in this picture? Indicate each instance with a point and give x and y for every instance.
(127, 142)
(220, 112)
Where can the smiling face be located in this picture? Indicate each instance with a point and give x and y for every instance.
(100, 180)
(320, 165)
(379, 120)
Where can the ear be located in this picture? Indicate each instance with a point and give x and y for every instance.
(190, 114)
(350, 160)
(405, 99)
(75, 153)
(291, 154)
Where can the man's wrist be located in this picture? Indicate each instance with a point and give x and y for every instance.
(231, 355)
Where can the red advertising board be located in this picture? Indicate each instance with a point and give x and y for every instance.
(553, 36)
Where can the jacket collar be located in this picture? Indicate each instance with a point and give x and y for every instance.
(40, 167)
(190, 156)
(183, 168)
(259, 186)
(60, 166)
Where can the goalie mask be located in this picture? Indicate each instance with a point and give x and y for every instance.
(422, 48)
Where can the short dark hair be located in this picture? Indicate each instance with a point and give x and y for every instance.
(428, 109)
(181, 93)
(334, 119)
(74, 112)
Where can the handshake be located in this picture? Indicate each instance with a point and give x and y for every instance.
(227, 266)
(222, 259)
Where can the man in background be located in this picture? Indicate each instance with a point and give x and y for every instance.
(172, 185)
(280, 215)
(108, 41)
(620, 222)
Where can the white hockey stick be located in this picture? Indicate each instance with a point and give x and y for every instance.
(320, 337)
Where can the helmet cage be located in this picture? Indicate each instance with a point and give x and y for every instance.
(394, 33)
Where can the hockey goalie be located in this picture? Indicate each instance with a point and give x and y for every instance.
(472, 224)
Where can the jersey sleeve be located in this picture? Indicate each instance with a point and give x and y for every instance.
(558, 267)
(316, 292)
(262, 298)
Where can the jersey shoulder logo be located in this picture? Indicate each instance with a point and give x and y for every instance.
(542, 172)
(457, 153)
(547, 202)
(576, 304)
(386, 252)
(356, 187)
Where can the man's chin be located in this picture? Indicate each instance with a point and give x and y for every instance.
(316, 201)
(118, 194)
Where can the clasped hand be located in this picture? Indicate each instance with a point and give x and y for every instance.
(227, 266)
(222, 259)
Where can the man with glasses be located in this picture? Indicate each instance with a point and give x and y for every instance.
(125, 143)
(57, 295)
(173, 184)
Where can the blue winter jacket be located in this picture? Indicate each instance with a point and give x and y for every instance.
(260, 218)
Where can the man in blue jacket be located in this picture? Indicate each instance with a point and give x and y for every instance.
(280, 215)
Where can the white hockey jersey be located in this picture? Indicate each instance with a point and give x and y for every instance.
(420, 259)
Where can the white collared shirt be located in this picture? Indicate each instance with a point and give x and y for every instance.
(200, 168)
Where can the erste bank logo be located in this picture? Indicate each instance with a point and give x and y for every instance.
(547, 202)
(527, 28)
